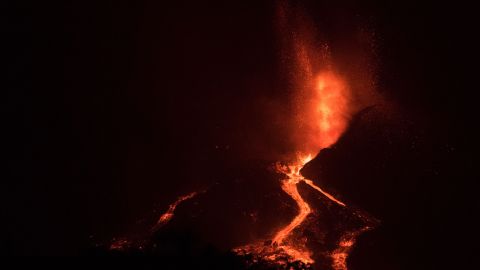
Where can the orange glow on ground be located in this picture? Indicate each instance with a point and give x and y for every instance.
(322, 104)
(325, 114)
(340, 255)
(322, 116)
(297, 251)
(167, 216)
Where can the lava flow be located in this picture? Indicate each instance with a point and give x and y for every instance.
(326, 113)
(289, 185)
(316, 114)
(167, 216)
(326, 109)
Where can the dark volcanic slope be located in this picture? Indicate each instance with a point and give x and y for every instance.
(246, 205)
(401, 172)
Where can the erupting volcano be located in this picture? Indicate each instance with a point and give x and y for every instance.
(327, 113)
(320, 106)
(238, 135)
(330, 124)
(323, 104)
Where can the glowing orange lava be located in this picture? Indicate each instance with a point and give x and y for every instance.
(317, 114)
(289, 185)
(330, 104)
(327, 107)
(324, 117)
(322, 112)
(167, 216)
(321, 106)
(340, 254)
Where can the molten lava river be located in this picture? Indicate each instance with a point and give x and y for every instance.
(326, 114)
(324, 228)
(287, 248)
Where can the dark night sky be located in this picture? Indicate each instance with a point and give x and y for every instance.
(117, 107)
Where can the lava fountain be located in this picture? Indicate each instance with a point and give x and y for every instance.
(322, 105)
(328, 105)
(323, 118)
